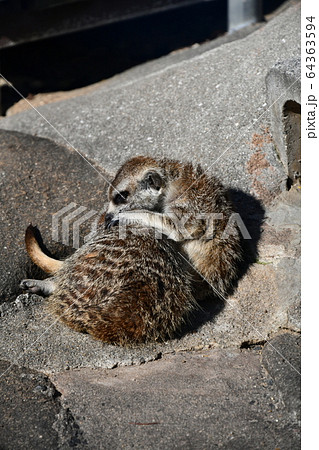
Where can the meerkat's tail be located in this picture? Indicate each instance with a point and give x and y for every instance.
(49, 265)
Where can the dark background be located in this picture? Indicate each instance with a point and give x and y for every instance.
(52, 45)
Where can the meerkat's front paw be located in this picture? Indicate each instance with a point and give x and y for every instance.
(42, 287)
(30, 285)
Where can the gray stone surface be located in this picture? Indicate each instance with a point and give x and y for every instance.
(211, 108)
(210, 399)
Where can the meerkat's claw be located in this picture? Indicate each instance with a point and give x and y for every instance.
(28, 284)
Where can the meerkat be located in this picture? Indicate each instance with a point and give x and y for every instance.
(123, 292)
(188, 206)
(140, 288)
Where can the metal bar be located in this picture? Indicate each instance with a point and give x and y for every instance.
(243, 12)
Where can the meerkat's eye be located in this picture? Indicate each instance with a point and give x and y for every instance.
(152, 180)
(120, 197)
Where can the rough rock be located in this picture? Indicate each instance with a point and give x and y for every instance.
(266, 300)
(282, 359)
(37, 179)
(31, 414)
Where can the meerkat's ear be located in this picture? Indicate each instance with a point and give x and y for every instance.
(152, 180)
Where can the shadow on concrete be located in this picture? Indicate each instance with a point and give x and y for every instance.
(252, 213)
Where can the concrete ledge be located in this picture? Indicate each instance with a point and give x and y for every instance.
(283, 93)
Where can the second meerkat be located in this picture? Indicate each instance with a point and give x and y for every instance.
(187, 205)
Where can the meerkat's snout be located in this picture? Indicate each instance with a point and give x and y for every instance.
(108, 218)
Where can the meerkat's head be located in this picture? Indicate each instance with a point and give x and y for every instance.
(139, 184)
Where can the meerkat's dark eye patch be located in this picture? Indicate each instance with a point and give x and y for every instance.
(152, 180)
(121, 197)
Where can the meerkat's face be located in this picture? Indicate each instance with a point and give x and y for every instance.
(143, 190)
